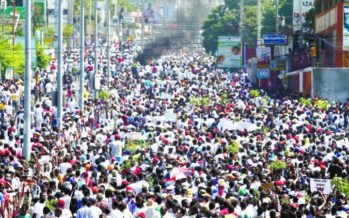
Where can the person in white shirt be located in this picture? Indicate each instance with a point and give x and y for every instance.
(84, 211)
(38, 208)
(96, 211)
(115, 212)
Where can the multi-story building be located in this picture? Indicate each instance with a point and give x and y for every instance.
(332, 31)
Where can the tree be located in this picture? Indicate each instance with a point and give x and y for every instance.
(42, 59)
(217, 24)
(11, 56)
(224, 21)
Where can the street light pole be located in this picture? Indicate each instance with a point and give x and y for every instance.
(142, 28)
(60, 63)
(13, 21)
(108, 42)
(277, 16)
(259, 18)
(89, 22)
(95, 51)
(3, 7)
(82, 49)
(27, 81)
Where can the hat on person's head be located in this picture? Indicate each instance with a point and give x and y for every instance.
(94, 189)
(60, 203)
(221, 182)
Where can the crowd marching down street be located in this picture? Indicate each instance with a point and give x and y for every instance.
(175, 138)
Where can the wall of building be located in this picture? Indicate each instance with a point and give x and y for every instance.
(331, 83)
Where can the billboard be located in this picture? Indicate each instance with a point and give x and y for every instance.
(263, 53)
(263, 57)
(300, 11)
(40, 12)
(229, 52)
(346, 27)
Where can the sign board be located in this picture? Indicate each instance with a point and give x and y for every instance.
(263, 73)
(346, 27)
(229, 52)
(277, 65)
(263, 57)
(9, 11)
(9, 73)
(273, 39)
(3, 4)
(263, 53)
(300, 11)
(40, 12)
(321, 185)
(97, 82)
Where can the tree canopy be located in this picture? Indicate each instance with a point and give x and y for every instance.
(224, 21)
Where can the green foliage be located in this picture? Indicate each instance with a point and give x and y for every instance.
(224, 98)
(42, 58)
(199, 102)
(277, 165)
(134, 145)
(12, 56)
(51, 204)
(224, 21)
(305, 101)
(68, 30)
(322, 104)
(216, 24)
(254, 93)
(341, 185)
(104, 95)
(128, 5)
(233, 148)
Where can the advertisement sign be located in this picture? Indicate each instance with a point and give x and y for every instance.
(263, 53)
(40, 12)
(321, 185)
(229, 52)
(9, 11)
(277, 65)
(263, 57)
(273, 39)
(346, 27)
(263, 73)
(300, 11)
(9, 73)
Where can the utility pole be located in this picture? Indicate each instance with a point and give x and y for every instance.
(89, 22)
(27, 81)
(259, 18)
(96, 53)
(13, 21)
(82, 49)
(241, 31)
(142, 28)
(108, 42)
(277, 24)
(3, 7)
(60, 67)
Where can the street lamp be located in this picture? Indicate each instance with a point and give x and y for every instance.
(3, 6)
(13, 21)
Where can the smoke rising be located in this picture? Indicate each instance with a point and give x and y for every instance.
(184, 33)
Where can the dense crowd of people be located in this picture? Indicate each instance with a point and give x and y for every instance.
(176, 137)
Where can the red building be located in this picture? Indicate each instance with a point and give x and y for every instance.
(333, 32)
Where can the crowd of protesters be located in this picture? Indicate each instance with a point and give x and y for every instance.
(149, 150)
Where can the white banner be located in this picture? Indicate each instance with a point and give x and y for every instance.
(321, 185)
(300, 11)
